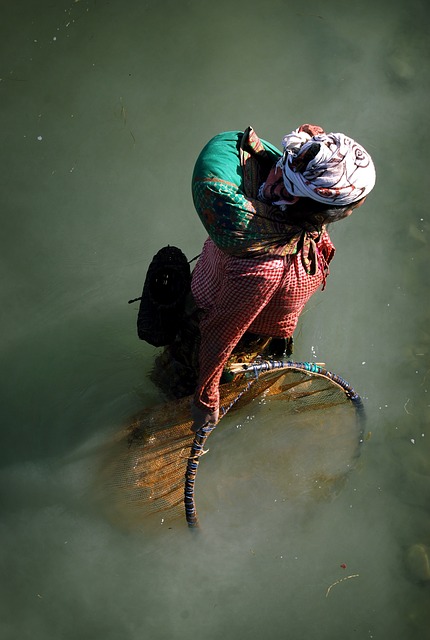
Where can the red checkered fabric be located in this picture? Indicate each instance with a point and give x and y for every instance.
(264, 295)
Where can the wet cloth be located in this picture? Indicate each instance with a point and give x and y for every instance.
(226, 180)
(262, 295)
(328, 167)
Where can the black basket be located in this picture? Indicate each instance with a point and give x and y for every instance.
(164, 295)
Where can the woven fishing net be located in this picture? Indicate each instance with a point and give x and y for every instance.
(144, 469)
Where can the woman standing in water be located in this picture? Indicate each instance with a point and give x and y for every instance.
(268, 249)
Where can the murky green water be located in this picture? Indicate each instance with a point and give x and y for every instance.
(104, 107)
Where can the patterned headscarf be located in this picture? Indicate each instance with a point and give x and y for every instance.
(327, 167)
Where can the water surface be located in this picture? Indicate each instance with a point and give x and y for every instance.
(104, 108)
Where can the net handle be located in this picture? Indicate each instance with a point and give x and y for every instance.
(197, 450)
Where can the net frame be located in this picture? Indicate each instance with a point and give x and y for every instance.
(254, 370)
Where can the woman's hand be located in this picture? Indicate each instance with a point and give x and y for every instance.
(274, 188)
(203, 417)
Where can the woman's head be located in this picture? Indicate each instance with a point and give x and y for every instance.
(331, 169)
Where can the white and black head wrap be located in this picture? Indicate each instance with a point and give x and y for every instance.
(327, 167)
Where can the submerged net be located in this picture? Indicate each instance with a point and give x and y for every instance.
(150, 467)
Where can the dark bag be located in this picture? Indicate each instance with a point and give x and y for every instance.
(167, 284)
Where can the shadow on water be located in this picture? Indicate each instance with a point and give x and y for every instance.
(104, 108)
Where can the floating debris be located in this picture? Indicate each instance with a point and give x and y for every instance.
(354, 575)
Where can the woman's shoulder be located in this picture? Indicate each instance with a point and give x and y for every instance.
(219, 158)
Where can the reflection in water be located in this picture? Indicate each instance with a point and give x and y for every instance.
(104, 108)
